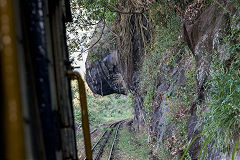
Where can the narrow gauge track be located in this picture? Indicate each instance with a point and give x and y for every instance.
(100, 146)
(114, 141)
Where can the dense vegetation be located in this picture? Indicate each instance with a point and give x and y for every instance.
(132, 147)
(219, 114)
(222, 120)
(166, 50)
(89, 19)
(101, 109)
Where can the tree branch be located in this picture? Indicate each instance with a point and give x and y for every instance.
(114, 9)
(104, 24)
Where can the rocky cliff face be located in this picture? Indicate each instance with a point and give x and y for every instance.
(118, 72)
(103, 76)
(102, 71)
(132, 42)
(203, 37)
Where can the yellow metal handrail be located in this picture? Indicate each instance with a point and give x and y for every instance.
(84, 111)
(12, 111)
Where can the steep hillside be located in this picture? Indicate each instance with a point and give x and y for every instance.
(180, 61)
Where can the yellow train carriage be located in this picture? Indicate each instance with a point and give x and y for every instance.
(36, 108)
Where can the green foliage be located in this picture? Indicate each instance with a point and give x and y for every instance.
(108, 108)
(172, 146)
(235, 149)
(223, 117)
(163, 152)
(167, 49)
(96, 10)
(132, 146)
(92, 56)
(88, 17)
(148, 99)
(189, 145)
(102, 48)
(187, 156)
(175, 147)
(187, 92)
(77, 31)
(160, 54)
(221, 121)
(205, 147)
(224, 114)
(101, 109)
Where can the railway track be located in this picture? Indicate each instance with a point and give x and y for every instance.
(104, 147)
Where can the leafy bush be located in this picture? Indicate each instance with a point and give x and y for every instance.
(223, 117)
(222, 120)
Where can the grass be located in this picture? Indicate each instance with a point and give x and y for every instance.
(132, 147)
(108, 108)
(220, 121)
(222, 117)
(101, 110)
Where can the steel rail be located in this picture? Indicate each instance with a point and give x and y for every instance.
(101, 138)
(107, 131)
(106, 140)
(103, 145)
(94, 130)
(115, 138)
